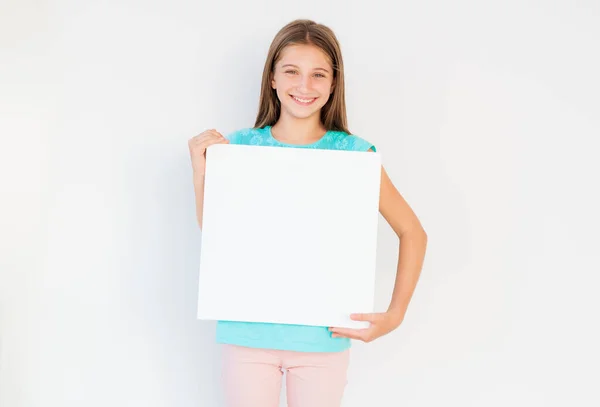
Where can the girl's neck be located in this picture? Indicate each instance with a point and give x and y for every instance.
(298, 131)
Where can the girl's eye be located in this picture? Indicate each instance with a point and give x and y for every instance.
(290, 71)
(320, 75)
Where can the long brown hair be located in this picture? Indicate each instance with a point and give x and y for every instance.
(307, 32)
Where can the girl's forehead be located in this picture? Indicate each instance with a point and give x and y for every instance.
(303, 55)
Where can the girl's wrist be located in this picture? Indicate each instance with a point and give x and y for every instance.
(396, 313)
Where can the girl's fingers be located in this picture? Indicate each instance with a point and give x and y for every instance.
(206, 136)
(215, 133)
(207, 139)
(348, 333)
(214, 140)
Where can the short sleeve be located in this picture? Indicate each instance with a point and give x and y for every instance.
(360, 144)
(237, 136)
(233, 137)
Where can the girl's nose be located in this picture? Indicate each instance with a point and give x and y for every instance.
(304, 83)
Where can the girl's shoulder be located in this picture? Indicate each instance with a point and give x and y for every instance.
(344, 141)
(243, 135)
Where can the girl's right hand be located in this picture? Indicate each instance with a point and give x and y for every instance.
(198, 145)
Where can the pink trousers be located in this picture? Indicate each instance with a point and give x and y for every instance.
(253, 377)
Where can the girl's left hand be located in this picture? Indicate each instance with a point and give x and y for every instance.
(381, 324)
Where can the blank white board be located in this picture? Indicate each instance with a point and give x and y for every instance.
(289, 235)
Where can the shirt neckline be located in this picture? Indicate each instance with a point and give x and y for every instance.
(270, 134)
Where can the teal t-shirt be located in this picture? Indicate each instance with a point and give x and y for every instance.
(298, 338)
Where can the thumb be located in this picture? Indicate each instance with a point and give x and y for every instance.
(364, 317)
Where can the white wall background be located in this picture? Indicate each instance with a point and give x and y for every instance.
(487, 116)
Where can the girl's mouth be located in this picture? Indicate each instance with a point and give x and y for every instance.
(303, 101)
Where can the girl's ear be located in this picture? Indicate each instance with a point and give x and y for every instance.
(273, 81)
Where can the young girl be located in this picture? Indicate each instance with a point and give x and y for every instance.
(302, 105)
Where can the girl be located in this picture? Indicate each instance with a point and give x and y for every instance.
(302, 105)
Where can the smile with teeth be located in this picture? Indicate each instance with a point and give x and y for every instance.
(302, 101)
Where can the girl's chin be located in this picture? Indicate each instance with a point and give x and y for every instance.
(301, 113)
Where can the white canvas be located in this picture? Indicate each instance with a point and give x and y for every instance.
(289, 235)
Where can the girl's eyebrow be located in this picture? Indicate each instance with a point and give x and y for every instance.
(295, 66)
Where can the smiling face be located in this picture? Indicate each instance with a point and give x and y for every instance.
(303, 80)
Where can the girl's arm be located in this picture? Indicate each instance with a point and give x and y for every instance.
(199, 192)
(197, 146)
(412, 246)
